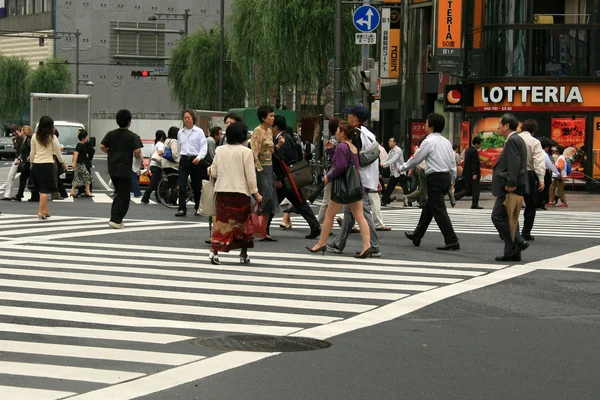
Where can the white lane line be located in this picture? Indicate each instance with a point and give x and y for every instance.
(100, 353)
(57, 222)
(66, 373)
(19, 393)
(568, 260)
(102, 181)
(178, 295)
(87, 225)
(137, 255)
(87, 333)
(224, 276)
(284, 256)
(102, 198)
(117, 320)
(169, 308)
(228, 287)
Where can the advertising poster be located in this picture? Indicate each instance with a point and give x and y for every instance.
(570, 133)
(448, 53)
(491, 146)
(465, 135)
(417, 133)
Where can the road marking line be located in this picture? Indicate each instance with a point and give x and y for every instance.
(102, 198)
(138, 322)
(88, 333)
(568, 260)
(102, 181)
(88, 225)
(18, 393)
(185, 284)
(100, 353)
(66, 373)
(178, 295)
(168, 308)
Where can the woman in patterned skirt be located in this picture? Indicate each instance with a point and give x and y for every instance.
(81, 175)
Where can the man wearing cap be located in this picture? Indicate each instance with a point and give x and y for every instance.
(440, 169)
(369, 176)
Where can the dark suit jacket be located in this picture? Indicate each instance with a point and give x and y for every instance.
(472, 166)
(511, 167)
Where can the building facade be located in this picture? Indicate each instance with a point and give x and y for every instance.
(117, 37)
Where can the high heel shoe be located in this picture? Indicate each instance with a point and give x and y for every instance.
(322, 249)
(214, 258)
(285, 227)
(367, 253)
(47, 215)
(245, 259)
(42, 217)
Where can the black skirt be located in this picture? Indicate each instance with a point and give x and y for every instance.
(44, 177)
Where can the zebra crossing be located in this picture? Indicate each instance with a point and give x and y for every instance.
(77, 318)
(549, 223)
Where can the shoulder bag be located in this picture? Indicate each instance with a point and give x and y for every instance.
(347, 187)
(208, 199)
(369, 155)
(301, 174)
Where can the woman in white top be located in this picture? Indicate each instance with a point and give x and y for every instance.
(233, 166)
(44, 146)
(155, 165)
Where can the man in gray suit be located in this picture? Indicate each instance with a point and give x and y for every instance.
(510, 176)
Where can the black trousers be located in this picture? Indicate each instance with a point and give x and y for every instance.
(500, 220)
(438, 185)
(392, 183)
(472, 188)
(154, 180)
(26, 171)
(58, 168)
(197, 173)
(531, 203)
(546, 196)
(120, 204)
(300, 206)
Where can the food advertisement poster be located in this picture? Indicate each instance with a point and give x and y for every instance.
(465, 135)
(491, 146)
(570, 134)
(417, 133)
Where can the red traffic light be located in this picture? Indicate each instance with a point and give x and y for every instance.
(139, 74)
(145, 73)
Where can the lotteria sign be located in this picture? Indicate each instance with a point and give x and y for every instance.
(580, 97)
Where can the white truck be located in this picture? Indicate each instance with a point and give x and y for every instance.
(70, 112)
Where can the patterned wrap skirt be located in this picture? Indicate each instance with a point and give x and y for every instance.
(230, 227)
(81, 176)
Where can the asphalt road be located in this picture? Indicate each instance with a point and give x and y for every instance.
(87, 312)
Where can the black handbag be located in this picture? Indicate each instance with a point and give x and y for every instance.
(347, 187)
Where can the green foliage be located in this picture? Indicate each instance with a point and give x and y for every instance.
(13, 93)
(289, 43)
(194, 74)
(54, 76)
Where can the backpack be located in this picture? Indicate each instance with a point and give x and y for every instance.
(568, 167)
(168, 153)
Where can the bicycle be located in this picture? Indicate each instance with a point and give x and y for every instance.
(167, 191)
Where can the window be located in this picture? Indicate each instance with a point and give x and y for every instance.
(27, 7)
(38, 6)
(137, 43)
(47, 5)
(20, 7)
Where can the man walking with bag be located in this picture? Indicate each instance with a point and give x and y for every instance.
(440, 169)
(472, 175)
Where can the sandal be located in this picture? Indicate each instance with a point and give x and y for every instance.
(214, 258)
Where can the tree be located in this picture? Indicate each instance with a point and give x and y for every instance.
(194, 74)
(13, 93)
(289, 43)
(54, 76)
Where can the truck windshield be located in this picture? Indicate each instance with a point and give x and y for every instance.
(67, 135)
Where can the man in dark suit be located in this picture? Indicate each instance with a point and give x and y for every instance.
(472, 174)
(510, 176)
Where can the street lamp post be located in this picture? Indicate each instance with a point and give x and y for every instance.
(174, 17)
(222, 56)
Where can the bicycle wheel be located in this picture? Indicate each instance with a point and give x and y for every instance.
(168, 190)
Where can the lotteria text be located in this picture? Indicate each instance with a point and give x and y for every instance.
(533, 94)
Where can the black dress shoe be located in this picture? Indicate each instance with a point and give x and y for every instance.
(313, 234)
(181, 213)
(415, 240)
(16, 199)
(528, 237)
(450, 246)
(6, 198)
(516, 256)
(522, 247)
(476, 208)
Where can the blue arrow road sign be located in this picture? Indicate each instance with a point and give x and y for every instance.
(366, 18)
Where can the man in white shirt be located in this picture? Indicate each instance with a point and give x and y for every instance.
(369, 176)
(535, 172)
(394, 161)
(193, 149)
(440, 169)
(551, 172)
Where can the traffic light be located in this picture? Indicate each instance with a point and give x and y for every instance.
(369, 80)
(141, 74)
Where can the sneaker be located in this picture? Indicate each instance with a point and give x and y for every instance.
(564, 205)
(332, 248)
(549, 204)
(114, 225)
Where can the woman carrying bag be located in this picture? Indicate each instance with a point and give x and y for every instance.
(347, 189)
(155, 165)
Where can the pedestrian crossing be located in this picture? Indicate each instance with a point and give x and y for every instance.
(549, 223)
(78, 317)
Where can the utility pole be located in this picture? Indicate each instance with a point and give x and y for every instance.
(337, 60)
(365, 55)
(404, 75)
(77, 34)
(222, 56)
(186, 16)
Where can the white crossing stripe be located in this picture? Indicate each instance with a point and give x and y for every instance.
(19, 393)
(100, 353)
(102, 198)
(66, 373)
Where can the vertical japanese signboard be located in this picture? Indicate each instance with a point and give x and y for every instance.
(394, 45)
(384, 70)
(448, 54)
(417, 133)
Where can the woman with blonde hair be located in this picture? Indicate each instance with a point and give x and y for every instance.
(44, 146)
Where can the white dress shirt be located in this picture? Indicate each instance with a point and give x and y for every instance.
(369, 175)
(535, 155)
(394, 161)
(548, 164)
(192, 142)
(437, 152)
